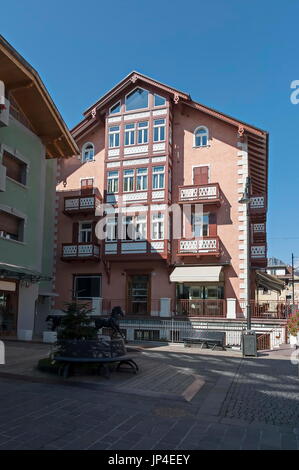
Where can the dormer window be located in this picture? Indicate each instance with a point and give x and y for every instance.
(115, 108)
(137, 99)
(159, 100)
(201, 136)
(87, 152)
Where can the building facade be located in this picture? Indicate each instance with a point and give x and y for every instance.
(32, 135)
(149, 216)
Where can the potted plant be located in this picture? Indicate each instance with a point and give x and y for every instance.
(293, 328)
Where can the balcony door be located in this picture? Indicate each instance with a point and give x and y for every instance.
(200, 175)
(138, 294)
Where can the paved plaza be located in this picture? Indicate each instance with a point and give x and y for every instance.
(181, 399)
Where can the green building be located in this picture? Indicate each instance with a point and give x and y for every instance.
(32, 137)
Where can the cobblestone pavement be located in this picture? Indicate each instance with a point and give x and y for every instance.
(242, 404)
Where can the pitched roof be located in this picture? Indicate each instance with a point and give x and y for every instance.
(23, 82)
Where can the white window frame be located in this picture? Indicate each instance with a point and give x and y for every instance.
(198, 223)
(141, 132)
(158, 226)
(84, 231)
(131, 132)
(113, 134)
(199, 166)
(206, 134)
(115, 104)
(140, 221)
(111, 228)
(158, 105)
(159, 127)
(114, 179)
(130, 93)
(130, 177)
(83, 150)
(141, 178)
(158, 173)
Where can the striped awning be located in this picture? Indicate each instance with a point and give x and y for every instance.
(269, 282)
(196, 274)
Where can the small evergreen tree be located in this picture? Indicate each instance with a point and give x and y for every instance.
(76, 324)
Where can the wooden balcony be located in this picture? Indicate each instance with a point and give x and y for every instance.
(203, 194)
(80, 252)
(205, 246)
(81, 204)
(131, 249)
(258, 208)
(259, 254)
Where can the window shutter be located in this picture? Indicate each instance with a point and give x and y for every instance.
(201, 175)
(75, 232)
(212, 225)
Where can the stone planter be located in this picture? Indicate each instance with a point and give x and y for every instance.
(49, 336)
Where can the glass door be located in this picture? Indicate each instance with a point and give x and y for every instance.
(138, 294)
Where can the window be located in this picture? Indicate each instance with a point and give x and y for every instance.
(199, 224)
(134, 227)
(87, 152)
(128, 228)
(143, 132)
(159, 130)
(11, 226)
(158, 177)
(128, 180)
(140, 227)
(115, 108)
(87, 287)
(111, 229)
(130, 134)
(85, 232)
(159, 100)
(201, 137)
(137, 99)
(141, 179)
(158, 226)
(112, 182)
(113, 136)
(87, 186)
(16, 169)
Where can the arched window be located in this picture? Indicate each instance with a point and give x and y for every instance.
(201, 136)
(87, 152)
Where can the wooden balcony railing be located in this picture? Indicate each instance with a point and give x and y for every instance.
(202, 246)
(80, 251)
(270, 309)
(208, 308)
(137, 249)
(78, 204)
(204, 194)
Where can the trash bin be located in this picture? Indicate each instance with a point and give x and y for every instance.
(249, 346)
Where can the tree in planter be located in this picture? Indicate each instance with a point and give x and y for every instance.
(293, 324)
(76, 323)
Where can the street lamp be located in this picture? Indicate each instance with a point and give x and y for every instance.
(245, 199)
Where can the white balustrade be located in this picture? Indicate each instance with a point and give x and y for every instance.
(71, 204)
(258, 227)
(257, 202)
(258, 251)
(199, 246)
(198, 192)
(69, 250)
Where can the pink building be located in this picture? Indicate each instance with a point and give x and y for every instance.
(172, 172)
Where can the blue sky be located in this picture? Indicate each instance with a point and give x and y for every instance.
(238, 57)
